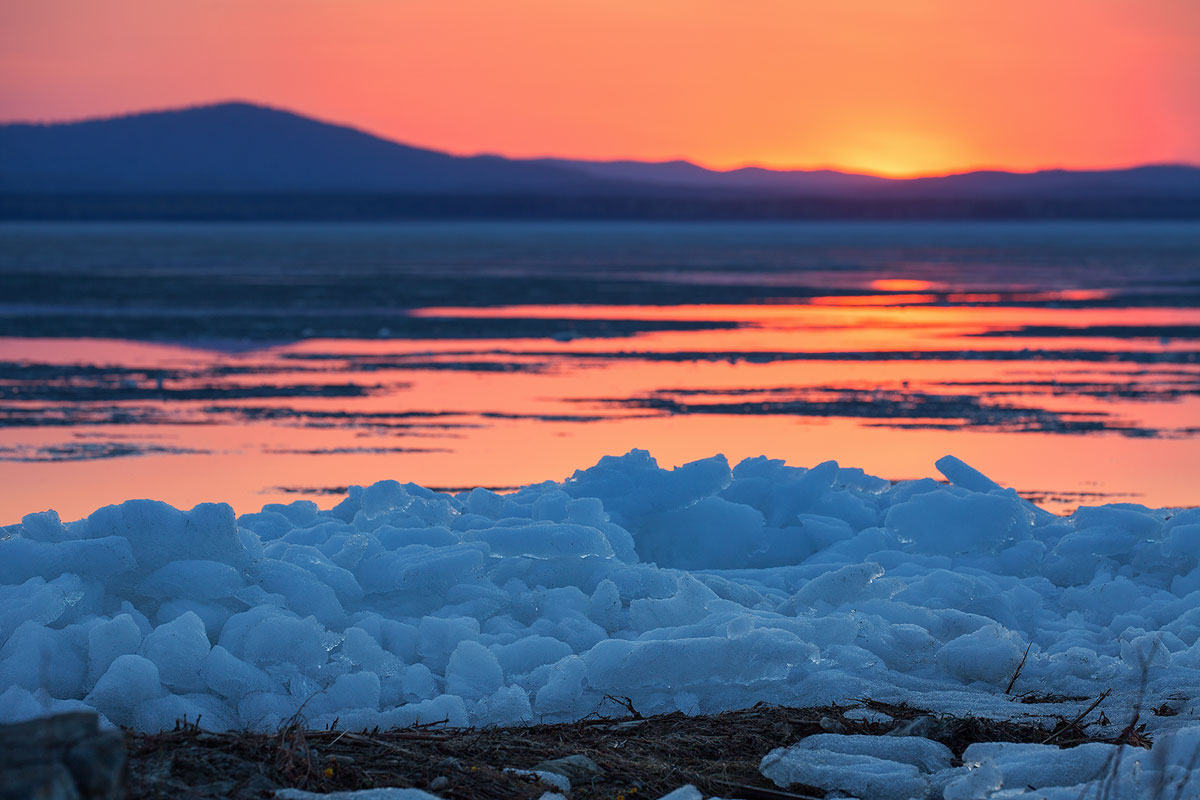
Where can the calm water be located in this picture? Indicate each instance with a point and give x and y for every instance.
(264, 363)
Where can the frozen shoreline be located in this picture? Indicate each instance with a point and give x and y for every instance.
(697, 589)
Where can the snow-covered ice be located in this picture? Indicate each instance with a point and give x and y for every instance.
(700, 589)
(906, 767)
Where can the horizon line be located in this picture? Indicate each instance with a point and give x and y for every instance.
(678, 159)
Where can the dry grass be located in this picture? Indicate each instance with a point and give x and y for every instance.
(640, 756)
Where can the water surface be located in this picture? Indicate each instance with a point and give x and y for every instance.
(263, 363)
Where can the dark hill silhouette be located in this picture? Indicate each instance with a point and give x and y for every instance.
(238, 147)
(237, 160)
(1153, 180)
(684, 174)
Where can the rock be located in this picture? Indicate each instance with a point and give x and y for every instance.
(439, 783)
(578, 769)
(62, 757)
(44, 781)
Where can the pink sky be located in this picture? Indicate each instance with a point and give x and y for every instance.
(912, 87)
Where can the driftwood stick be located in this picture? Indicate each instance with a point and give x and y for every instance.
(1067, 726)
(1020, 667)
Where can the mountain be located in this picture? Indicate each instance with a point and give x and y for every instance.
(243, 148)
(1153, 180)
(239, 160)
(684, 174)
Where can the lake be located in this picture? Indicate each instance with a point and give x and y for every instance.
(257, 363)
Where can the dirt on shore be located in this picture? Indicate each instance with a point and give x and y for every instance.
(636, 756)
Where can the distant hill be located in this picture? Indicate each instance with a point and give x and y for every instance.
(242, 148)
(239, 160)
(684, 174)
(1154, 180)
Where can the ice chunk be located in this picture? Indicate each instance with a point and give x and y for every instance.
(418, 683)
(689, 604)
(632, 486)
(389, 793)
(924, 754)
(44, 526)
(129, 682)
(267, 635)
(164, 713)
(445, 709)
(103, 557)
(978, 781)
(508, 705)
(393, 538)
(847, 584)
(990, 654)
(18, 704)
(686, 792)
(563, 688)
(228, 675)
(1042, 765)
(37, 657)
(340, 580)
(266, 711)
(965, 476)
(353, 690)
(439, 637)
(306, 594)
(159, 533)
(796, 495)
(192, 580)
(544, 539)
(1144, 650)
(946, 523)
(604, 607)
(711, 533)
(383, 498)
(1179, 749)
(36, 601)
(529, 652)
(622, 667)
(214, 614)
(473, 671)
(178, 648)
(854, 774)
(551, 506)
(364, 651)
(419, 570)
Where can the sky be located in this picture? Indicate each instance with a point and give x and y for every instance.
(896, 87)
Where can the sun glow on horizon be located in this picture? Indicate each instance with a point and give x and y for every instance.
(896, 89)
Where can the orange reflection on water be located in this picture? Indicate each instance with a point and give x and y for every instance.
(875, 299)
(523, 410)
(901, 285)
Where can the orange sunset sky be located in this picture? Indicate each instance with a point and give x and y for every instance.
(897, 87)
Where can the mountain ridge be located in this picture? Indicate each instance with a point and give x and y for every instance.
(239, 149)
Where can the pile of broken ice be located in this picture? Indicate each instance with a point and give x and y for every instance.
(696, 589)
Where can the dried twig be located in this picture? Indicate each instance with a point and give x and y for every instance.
(1020, 667)
(720, 753)
(626, 703)
(1075, 722)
